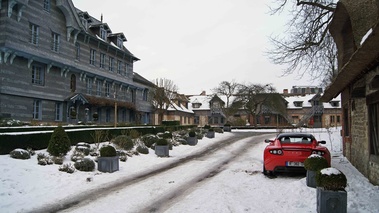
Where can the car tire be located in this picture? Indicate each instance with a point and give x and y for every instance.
(267, 173)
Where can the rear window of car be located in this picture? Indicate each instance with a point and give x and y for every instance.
(295, 139)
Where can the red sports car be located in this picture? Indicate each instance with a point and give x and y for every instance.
(288, 151)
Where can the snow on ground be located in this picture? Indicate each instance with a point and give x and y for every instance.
(241, 187)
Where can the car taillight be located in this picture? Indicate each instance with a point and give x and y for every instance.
(276, 151)
(318, 152)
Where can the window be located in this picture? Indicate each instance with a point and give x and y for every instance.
(58, 111)
(108, 115)
(111, 64)
(38, 75)
(37, 110)
(119, 42)
(102, 60)
(145, 94)
(126, 69)
(119, 67)
(335, 103)
(77, 52)
(92, 59)
(46, 5)
(298, 103)
(373, 122)
(196, 120)
(267, 119)
(99, 114)
(107, 89)
(338, 119)
(34, 34)
(133, 95)
(98, 88)
(89, 85)
(123, 92)
(374, 128)
(73, 83)
(103, 33)
(55, 42)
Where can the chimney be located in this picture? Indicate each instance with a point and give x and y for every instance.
(203, 93)
(285, 91)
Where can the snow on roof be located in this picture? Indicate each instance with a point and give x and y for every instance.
(174, 107)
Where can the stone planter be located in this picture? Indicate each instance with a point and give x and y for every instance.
(162, 151)
(210, 134)
(311, 179)
(331, 201)
(108, 164)
(192, 141)
(227, 129)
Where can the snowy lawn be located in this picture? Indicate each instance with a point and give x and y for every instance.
(241, 187)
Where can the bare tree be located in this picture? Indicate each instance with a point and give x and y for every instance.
(162, 95)
(253, 97)
(306, 46)
(226, 88)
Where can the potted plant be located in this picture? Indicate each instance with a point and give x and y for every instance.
(313, 164)
(210, 133)
(227, 127)
(331, 193)
(162, 148)
(192, 138)
(108, 160)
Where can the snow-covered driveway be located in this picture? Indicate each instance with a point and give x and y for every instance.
(168, 188)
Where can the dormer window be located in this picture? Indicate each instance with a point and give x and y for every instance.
(298, 103)
(335, 103)
(196, 105)
(84, 22)
(119, 42)
(103, 33)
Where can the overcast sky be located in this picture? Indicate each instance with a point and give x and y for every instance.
(198, 43)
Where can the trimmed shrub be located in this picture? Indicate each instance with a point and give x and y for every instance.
(83, 147)
(192, 134)
(218, 130)
(59, 143)
(108, 151)
(58, 160)
(85, 165)
(124, 142)
(77, 155)
(161, 142)
(69, 168)
(207, 126)
(149, 140)
(315, 162)
(142, 149)
(170, 123)
(20, 154)
(331, 179)
(211, 129)
(199, 135)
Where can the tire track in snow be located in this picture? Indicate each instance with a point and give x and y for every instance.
(88, 197)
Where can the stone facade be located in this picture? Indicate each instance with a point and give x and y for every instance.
(355, 31)
(56, 59)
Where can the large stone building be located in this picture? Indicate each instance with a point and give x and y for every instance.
(355, 31)
(59, 64)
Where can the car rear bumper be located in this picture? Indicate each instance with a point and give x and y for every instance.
(281, 169)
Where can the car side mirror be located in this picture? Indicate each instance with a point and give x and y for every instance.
(322, 142)
(268, 141)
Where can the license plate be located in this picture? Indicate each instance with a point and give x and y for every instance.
(294, 164)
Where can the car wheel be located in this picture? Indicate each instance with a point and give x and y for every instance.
(264, 170)
(269, 174)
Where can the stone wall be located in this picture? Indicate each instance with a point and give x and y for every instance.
(359, 151)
